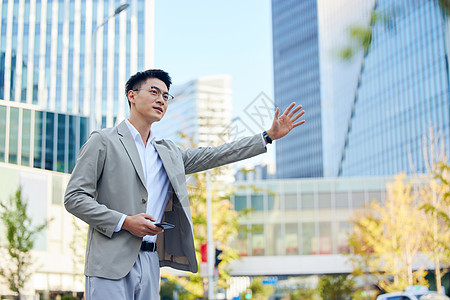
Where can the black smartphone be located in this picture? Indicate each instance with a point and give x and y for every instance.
(164, 225)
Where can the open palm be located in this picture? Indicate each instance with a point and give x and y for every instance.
(283, 124)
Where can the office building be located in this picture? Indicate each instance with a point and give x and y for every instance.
(297, 78)
(371, 115)
(47, 78)
(401, 108)
(297, 228)
(58, 252)
(338, 77)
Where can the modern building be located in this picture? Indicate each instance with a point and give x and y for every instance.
(298, 220)
(39, 138)
(400, 117)
(297, 78)
(297, 228)
(338, 77)
(47, 78)
(58, 253)
(404, 73)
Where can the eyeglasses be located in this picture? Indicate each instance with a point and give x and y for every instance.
(155, 92)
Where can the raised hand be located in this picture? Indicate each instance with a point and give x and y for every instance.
(283, 124)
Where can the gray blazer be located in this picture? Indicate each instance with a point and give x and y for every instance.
(108, 181)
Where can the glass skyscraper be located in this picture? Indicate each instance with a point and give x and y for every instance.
(297, 78)
(372, 115)
(47, 80)
(402, 104)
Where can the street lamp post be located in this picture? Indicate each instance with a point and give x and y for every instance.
(92, 118)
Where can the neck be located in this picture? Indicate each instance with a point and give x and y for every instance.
(142, 127)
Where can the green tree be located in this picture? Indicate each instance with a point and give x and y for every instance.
(335, 287)
(435, 201)
(303, 293)
(387, 238)
(20, 238)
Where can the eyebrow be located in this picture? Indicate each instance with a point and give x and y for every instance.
(155, 87)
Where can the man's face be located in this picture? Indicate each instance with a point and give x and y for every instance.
(148, 102)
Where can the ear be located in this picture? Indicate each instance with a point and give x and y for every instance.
(131, 96)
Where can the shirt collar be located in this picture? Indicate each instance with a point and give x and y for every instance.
(136, 135)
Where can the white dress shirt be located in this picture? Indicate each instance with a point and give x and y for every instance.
(156, 180)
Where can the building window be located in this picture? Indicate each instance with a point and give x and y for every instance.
(291, 239)
(13, 135)
(308, 238)
(26, 137)
(258, 241)
(240, 202)
(307, 201)
(49, 140)
(38, 126)
(2, 132)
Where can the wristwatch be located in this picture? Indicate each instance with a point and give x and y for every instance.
(267, 137)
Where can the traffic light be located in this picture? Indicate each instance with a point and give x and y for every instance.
(218, 259)
(204, 252)
(248, 294)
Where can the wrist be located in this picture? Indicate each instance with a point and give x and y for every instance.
(267, 137)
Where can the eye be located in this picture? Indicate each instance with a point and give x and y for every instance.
(166, 97)
(154, 92)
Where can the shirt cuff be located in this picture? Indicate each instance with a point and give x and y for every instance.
(119, 225)
(263, 140)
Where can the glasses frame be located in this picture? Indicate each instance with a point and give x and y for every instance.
(149, 88)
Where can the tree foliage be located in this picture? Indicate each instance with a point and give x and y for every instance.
(387, 238)
(335, 287)
(20, 238)
(435, 196)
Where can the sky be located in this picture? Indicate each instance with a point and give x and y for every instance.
(206, 37)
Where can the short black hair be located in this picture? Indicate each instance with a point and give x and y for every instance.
(136, 81)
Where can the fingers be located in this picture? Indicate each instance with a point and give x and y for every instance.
(277, 112)
(299, 123)
(292, 113)
(148, 217)
(289, 108)
(297, 116)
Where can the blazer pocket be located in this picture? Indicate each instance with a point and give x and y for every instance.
(172, 237)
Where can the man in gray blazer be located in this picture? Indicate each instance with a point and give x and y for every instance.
(125, 180)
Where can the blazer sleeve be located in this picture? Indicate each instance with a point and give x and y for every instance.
(80, 196)
(200, 159)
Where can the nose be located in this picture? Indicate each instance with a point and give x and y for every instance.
(160, 99)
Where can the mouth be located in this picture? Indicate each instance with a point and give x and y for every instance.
(158, 109)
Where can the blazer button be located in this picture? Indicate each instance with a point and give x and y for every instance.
(144, 201)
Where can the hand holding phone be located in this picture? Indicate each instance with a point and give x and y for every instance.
(164, 225)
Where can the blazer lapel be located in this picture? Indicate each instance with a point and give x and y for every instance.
(128, 143)
(166, 160)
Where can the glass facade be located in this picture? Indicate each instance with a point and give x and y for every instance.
(40, 139)
(302, 216)
(402, 101)
(59, 66)
(297, 78)
(47, 48)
